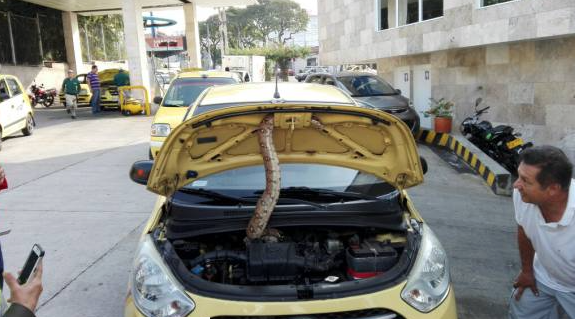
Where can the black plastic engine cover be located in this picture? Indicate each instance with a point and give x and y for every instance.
(272, 262)
(371, 257)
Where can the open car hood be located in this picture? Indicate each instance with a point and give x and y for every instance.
(367, 140)
(108, 74)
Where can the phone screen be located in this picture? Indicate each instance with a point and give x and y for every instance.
(35, 254)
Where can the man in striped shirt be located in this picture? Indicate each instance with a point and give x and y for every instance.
(94, 81)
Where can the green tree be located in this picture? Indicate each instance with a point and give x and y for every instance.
(242, 31)
(279, 53)
(261, 24)
(293, 19)
(210, 38)
(102, 37)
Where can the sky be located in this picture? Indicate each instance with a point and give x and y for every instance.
(204, 13)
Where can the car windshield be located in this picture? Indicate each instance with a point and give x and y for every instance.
(366, 85)
(295, 178)
(185, 91)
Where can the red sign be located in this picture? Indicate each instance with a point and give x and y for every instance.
(165, 43)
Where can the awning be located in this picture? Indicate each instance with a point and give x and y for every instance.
(107, 6)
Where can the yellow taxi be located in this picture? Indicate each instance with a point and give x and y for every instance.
(16, 113)
(85, 94)
(109, 91)
(287, 203)
(183, 91)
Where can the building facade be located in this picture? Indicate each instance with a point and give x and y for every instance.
(518, 56)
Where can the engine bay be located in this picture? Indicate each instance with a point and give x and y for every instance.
(301, 255)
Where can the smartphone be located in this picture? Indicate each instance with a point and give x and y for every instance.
(29, 268)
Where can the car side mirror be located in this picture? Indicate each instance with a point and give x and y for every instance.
(140, 171)
(423, 164)
(398, 91)
(157, 100)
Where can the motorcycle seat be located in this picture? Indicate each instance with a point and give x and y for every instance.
(502, 129)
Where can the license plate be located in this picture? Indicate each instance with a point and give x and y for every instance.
(513, 144)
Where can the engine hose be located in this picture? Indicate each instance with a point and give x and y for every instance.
(218, 254)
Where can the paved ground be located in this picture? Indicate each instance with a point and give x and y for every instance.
(70, 192)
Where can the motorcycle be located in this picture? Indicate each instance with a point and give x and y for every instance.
(41, 95)
(499, 142)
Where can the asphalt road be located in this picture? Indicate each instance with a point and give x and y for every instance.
(70, 192)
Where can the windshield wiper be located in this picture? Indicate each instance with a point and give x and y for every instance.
(293, 201)
(172, 105)
(303, 190)
(245, 200)
(215, 195)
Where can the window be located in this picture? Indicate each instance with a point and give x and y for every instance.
(366, 86)
(249, 181)
(394, 13)
(3, 91)
(485, 3)
(14, 87)
(184, 91)
(315, 79)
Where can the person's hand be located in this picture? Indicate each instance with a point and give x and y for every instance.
(2, 174)
(526, 279)
(27, 294)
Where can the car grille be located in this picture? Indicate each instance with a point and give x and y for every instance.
(358, 314)
(393, 110)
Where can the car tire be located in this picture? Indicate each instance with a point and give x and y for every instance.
(29, 129)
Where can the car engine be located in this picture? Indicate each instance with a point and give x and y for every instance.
(302, 255)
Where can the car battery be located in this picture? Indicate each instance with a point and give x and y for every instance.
(370, 259)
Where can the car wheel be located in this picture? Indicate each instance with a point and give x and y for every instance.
(29, 129)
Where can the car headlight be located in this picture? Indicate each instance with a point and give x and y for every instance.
(156, 292)
(161, 130)
(428, 283)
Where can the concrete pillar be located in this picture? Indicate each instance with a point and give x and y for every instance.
(135, 43)
(72, 41)
(192, 35)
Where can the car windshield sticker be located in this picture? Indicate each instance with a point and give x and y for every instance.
(200, 183)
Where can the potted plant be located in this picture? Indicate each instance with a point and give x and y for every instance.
(442, 111)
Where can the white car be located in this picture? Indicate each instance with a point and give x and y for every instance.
(16, 114)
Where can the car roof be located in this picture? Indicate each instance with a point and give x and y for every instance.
(264, 93)
(209, 74)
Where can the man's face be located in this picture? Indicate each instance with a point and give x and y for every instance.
(71, 75)
(95, 70)
(528, 186)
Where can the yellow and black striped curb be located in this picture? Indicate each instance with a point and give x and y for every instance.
(500, 183)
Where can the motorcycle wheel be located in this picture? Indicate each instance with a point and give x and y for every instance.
(48, 101)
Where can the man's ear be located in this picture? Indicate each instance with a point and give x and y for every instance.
(554, 189)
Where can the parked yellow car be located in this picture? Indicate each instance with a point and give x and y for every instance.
(85, 94)
(344, 239)
(183, 91)
(16, 113)
(109, 91)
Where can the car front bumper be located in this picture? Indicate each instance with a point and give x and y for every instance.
(388, 299)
